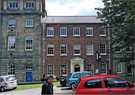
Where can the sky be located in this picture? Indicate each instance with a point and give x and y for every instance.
(72, 7)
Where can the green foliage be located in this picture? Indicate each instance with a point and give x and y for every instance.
(119, 15)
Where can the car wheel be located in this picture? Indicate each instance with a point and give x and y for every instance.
(2, 89)
(72, 85)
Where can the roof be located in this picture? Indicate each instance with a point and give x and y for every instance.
(70, 19)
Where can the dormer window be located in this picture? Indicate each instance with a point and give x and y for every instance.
(13, 5)
(12, 23)
(29, 5)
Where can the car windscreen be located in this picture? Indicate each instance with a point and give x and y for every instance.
(76, 83)
(10, 78)
(69, 75)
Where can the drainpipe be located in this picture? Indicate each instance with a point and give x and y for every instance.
(43, 51)
(109, 48)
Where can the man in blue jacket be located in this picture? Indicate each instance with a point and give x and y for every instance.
(47, 87)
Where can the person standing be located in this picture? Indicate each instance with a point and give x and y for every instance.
(47, 87)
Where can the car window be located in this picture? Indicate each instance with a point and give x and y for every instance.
(93, 83)
(69, 75)
(115, 83)
(77, 75)
(1, 79)
(76, 83)
(10, 78)
(86, 74)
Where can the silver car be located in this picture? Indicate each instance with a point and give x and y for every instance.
(8, 82)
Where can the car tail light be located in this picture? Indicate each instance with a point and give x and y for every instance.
(68, 81)
(6, 84)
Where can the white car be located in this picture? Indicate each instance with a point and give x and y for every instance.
(8, 82)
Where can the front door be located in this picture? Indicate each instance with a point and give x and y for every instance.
(77, 68)
(29, 76)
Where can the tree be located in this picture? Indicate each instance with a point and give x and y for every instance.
(119, 15)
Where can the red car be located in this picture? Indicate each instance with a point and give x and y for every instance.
(103, 84)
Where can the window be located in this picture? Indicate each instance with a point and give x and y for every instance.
(13, 5)
(11, 43)
(115, 83)
(29, 68)
(93, 83)
(50, 70)
(1, 79)
(77, 49)
(77, 75)
(90, 68)
(12, 23)
(102, 68)
(102, 31)
(29, 43)
(86, 74)
(89, 31)
(89, 49)
(102, 49)
(63, 31)
(63, 70)
(50, 49)
(50, 31)
(119, 68)
(11, 68)
(29, 23)
(63, 48)
(29, 5)
(76, 31)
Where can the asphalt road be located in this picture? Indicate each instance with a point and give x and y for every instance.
(58, 90)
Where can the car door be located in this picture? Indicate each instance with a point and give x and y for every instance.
(92, 86)
(117, 86)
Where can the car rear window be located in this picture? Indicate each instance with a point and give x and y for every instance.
(86, 74)
(76, 83)
(10, 78)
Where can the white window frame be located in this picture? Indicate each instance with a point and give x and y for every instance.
(103, 68)
(13, 6)
(29, 44)
(29, 6)
(73, 31)
(29, 23)
(48, 31)
(48, 69)
(61, 31)
(10, 70)
(78, 48)
(87, 29)
(104, 31)
(51, 45)
(65, 71)
(118, 68)
(10, 43)
(11, 23)
(100, 50)
(66, 50)
(92, 69)
(89, 49)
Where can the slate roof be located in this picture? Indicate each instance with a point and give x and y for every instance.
(70, 19)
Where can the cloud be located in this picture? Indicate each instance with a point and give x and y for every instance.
(84, 7)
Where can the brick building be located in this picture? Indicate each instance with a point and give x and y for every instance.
(74, 43)
(20, 38)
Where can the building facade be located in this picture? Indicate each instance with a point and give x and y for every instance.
(74, 43)
(20, 39)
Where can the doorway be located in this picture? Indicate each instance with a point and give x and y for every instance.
(77, 68)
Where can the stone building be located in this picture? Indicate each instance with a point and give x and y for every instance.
(74, 43)
(20, 39)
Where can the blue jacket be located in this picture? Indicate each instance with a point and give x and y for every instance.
(47, 88)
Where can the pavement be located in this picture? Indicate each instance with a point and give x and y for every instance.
(58, 90)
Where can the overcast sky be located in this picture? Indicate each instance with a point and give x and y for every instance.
(72, 7)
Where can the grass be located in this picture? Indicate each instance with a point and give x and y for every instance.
(132, 79)
(28, 86)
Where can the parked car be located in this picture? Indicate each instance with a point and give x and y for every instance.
(103, 84)
(63, 80)
(73, 77)
(8, 82)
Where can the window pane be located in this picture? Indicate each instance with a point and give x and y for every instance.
(77, 49)
(76, 31)
(102, 48)
(93, 83)
(90, 68)
(89, 49)
(50, 49)
(102, 68)
(50, 70)
(32, 5)
(63, 48)
(11, 43)
(29, 43)
(89, 31)
(63, 31)
(49, 31)
(101, 31)
(63, 70)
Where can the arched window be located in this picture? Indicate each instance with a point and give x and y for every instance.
(11, 68)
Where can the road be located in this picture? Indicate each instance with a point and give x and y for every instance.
(58, 90)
